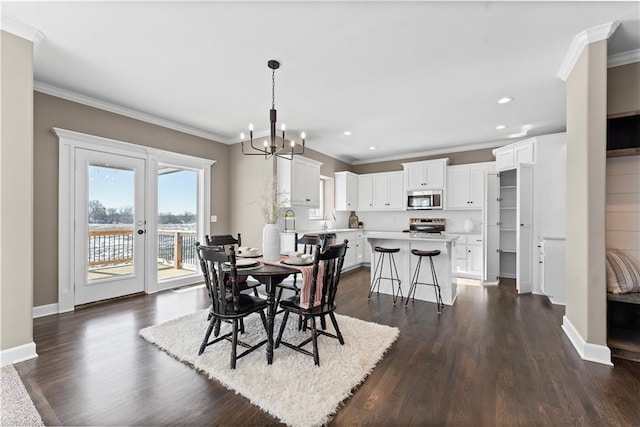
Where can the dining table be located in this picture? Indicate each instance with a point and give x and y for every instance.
(270, 275)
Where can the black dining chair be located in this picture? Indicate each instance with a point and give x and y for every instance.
(227, 241)
(332, 259)
(227, 303)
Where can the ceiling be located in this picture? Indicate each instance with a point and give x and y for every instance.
(406, 77)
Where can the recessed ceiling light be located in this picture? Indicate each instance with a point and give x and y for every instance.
(500, 127)
(347, 132)
(505, 100)
(372, 148)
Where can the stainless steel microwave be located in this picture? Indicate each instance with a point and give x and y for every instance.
(429, 199)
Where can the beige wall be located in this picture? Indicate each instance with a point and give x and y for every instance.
(623, 89)
(16, 192)
(459, 158)
(56, 112)
(586, 163)
(248, 175)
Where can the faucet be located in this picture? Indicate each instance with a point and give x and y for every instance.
(328, 216)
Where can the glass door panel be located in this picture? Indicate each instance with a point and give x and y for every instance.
(177, 222)
(110, 231)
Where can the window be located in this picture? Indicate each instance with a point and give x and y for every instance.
(319, 212)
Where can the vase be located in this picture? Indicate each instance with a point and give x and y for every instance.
(270, 242)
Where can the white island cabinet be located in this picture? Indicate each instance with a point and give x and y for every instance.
(406, 263)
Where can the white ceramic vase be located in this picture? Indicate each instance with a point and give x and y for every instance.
(271, 242)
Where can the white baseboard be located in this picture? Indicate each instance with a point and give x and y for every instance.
(45, 310)
(587, 351)
(18, 354)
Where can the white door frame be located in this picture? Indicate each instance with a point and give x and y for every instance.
(68, 142)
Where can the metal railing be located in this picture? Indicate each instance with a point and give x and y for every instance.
(115, 247)
(177, 248)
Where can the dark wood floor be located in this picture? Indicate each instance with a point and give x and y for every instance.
(495, 358)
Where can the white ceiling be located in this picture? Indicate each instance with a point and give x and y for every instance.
(406, 77)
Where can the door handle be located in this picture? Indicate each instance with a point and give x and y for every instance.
(141, 231)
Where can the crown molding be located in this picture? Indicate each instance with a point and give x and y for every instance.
(19, 29)
(601, 32)
(623, 58)
(127, 112)
(457, 149)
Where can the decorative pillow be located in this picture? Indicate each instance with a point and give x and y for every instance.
(623, 272)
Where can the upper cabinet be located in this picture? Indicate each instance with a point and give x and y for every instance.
(299, 181)
(425, 175)
(346, 191)
(465, 185)
(365, 192)
(387, 191)
(510, 156)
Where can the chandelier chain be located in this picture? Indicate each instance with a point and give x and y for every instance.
(273, 89)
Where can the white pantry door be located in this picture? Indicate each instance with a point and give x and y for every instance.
(524, 233)
(109, 209)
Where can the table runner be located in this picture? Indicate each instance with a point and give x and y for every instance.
(307, 278)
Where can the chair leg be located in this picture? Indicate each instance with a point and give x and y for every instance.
(241, 326)
(335, 326)
(264, 320)
(314, 335)
(392, 263)
(278, 296)
(216, 331)
(212, 322)
(323, 323)
(414, 281)
(375, 273)
(282, 326)
(234, 343)
(436, 287)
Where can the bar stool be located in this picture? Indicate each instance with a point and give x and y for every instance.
(414, 281)
(392, 268)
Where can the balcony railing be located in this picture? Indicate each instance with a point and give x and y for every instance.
(115, 247)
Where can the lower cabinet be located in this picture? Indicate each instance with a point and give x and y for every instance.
(468, 252)
(355, 254)
(551, 268)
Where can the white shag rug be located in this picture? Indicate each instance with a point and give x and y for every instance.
(16, 406)
(292, 388)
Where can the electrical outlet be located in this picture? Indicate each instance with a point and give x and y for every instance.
(214, 218)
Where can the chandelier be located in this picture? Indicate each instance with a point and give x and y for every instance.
(273, 147)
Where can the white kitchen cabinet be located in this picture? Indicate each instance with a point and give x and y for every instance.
(510, 156)
(346, 191)
(388, 193)
(365, 192)
(465, 185)
(299, 181)
(468, 254)
(551, 268)
(351, 257)
(425, 175)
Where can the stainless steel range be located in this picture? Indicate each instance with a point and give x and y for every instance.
(426, 226)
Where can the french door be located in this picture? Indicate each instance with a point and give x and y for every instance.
(110, 225)
(109, 236)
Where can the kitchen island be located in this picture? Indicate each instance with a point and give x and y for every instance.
(406, 263)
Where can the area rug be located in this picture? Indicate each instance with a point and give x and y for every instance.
(316, 391)
(16, 406)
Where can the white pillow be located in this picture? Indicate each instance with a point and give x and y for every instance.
(623, 272)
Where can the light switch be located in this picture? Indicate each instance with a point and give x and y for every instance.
(214, 218)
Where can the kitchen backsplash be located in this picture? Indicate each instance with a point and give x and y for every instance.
(389, 221)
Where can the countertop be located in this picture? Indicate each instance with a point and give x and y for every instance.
(395, 235)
